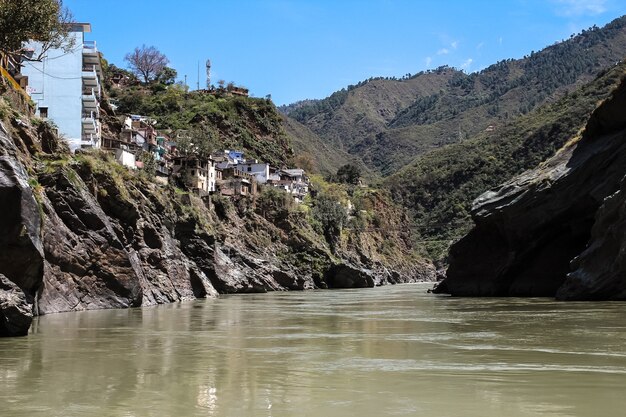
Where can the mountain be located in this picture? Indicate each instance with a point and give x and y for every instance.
(557, 230)
(323, 157)
(439, 186)
(389, 122)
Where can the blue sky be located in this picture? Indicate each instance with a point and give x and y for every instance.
(295, 50)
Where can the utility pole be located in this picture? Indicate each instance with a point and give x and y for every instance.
(198, 83)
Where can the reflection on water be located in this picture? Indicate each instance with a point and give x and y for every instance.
(371, 352)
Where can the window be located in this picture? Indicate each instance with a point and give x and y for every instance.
(43, 112)
(193, 172)
(249, 169)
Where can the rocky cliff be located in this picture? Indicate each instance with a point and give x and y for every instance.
(557, 230)
(81, 232)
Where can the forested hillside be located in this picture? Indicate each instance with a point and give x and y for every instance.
(439, 186)
(389, 122)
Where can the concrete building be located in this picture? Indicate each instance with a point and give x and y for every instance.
(65, 86)
(196, 173)
(235, 183)
(260, 170)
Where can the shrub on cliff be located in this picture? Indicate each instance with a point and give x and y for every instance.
(330, 215)
(274, 204)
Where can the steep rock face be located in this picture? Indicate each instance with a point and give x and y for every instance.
(113, 255)
(21, 249)
(21, 252)
(529, 230)
(600, 271)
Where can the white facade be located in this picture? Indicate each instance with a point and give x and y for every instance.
(212, 178)
(65, 87)
(260, 170)
(125, 158)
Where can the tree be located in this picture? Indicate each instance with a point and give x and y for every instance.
(44, 21)
(306, 162)
(167, 76)
(274, 204)
(146, 62)
(329, 212)
(200, 141)
(348, 174)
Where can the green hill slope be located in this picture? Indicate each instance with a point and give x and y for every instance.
(389, 122)
(307, 145)
(440, 186)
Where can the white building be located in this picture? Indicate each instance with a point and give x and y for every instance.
(123, 157)
(260, 170)
(65, 87)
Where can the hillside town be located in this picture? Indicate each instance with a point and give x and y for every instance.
(52, 83)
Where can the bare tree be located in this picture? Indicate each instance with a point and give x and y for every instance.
(146, 62)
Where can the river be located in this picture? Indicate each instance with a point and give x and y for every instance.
(390, 351)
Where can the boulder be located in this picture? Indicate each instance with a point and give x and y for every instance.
(344, 275)
(15, 311)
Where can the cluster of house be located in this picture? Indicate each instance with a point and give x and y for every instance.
(66, 87)
(229, 173)
(226, 172)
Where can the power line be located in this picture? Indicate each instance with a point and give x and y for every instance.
(52, 76)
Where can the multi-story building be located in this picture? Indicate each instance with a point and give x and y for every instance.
(195, 172)
(65, 86)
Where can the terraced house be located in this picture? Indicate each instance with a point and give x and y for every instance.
(65, 86)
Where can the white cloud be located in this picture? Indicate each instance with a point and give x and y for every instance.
(443, 51)
(429, 61)
(500, 40)
(580, 7)
(454, 44)
(480, 45)
(466, 64)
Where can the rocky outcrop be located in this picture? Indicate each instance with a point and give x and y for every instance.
(113, 255)
(15, 311)
(599, 273)
(529, 230)
(21, 248)
(348, 276)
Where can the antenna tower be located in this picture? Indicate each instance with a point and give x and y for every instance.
(208, 74)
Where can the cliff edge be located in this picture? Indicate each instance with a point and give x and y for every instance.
(557, 230)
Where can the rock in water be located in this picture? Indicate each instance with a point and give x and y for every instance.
(15, 311)
(348, 276)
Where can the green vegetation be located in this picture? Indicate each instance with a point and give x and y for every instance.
(388, 123)
(347, 174)
(227, 122)
(440, 186)
(274, 204)
(330, 215)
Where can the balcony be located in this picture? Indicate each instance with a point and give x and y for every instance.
(91, 78)
(90, 123)
(90, 99)
(90, 141)
(90, 48)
